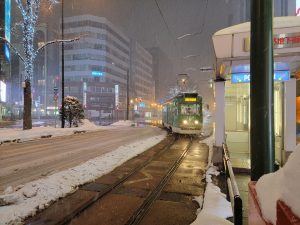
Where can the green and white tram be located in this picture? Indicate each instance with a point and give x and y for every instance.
(183, 114)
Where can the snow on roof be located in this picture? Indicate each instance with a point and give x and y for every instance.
(279, 22)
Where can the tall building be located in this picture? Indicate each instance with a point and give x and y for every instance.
(1, 35)
(281, 8)
(162, 70)
(4, 60)
(99, 65)
(141, 73)
(96, 63)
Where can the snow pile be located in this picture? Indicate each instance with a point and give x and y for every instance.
(207, 126)
(210, 141)
(284, 185)
(215, 206)
(125, 123)
(39, 194)
(18, 134)
(88, 125)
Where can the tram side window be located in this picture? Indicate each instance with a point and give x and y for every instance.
(189, 109)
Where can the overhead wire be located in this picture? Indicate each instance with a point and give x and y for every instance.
(167, 26)
(201, 27)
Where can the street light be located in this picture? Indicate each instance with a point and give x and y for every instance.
(62, 68)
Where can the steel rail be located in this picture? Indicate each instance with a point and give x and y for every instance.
(142, 211)
(108, 189)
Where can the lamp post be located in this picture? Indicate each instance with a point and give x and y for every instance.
(127, 96)
(62, 68)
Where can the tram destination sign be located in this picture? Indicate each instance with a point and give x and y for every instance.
(190, 99)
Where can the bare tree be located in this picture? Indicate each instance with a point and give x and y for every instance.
(29, 13)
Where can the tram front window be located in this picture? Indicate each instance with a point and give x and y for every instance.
(189, 109)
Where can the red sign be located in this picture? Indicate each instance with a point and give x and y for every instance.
(287, 40)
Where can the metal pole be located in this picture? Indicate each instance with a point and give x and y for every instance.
(261, 89)
(127, 105)
(62, 68)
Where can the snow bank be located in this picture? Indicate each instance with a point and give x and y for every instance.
(39, 194)
(126, 123)
(210, 142)
(284, 185)
(215, 206)
(207, 126)
(10, 134)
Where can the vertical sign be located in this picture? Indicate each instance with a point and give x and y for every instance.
(7, 28)
(84, 94)
(117, 96)
(2, 92)
(297, 7)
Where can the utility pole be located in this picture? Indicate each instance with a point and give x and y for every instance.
(127, 95)
(262, 89)
(62, 68)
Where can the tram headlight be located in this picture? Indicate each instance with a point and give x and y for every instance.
(185, 121)
(196, 122)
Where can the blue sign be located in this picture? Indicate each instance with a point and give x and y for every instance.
(281, 75)
(240, 78)
(245, 77)
(142, 105)
(7, 27)
(97, 73)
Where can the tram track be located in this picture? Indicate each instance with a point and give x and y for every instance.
(141, 210)
(137, 217)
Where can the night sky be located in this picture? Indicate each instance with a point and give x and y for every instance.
(159, 23)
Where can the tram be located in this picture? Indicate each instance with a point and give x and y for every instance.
(183, 114)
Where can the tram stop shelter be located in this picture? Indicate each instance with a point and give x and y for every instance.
(232, 88)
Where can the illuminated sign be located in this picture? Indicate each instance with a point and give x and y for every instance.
(290, 40)
(97, 73)
(190, 99)
(240, 78)
(281, 75)
(287, 40)
(297, 7)
(84, 93)
(117, 96)
(245, 77)
(7, 28)
(2, 92)
(142, 105)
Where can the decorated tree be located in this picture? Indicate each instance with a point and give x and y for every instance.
(29, 13)
(73, 110)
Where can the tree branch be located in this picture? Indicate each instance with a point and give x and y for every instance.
(56, 41)
(13, 48)
(13, 30)
(20, 5)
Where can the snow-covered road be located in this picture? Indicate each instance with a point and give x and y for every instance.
(24, 162)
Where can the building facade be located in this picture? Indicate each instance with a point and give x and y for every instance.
(162, 70)
(96, 63)
(142, 72)
(99, 66)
